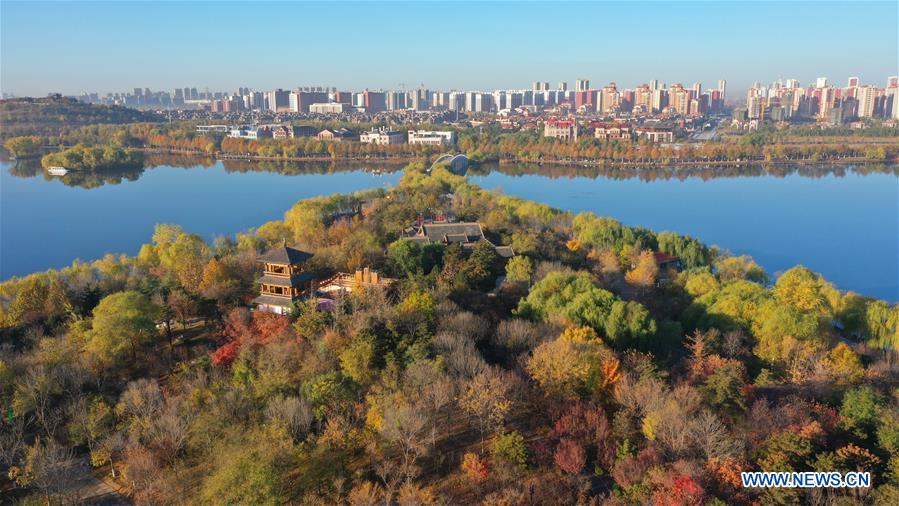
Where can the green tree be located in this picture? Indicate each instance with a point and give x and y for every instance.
(122, 322)
(21, 147)
(859, 410)
(519, 269)
(510, 447)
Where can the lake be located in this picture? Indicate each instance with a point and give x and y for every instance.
(842, 222)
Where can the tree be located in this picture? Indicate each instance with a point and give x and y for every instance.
(844, 365)
(558, 367)
(519, 269)
(570, 456)
(805, 291)
(858, 412)
(741, 267)
(217, 283)
(567, 295)
(629, 324)
(21, 147)
(645, 272)
(49, 467)
(405, 425)
(510, 447)
(121, 322)
(724, 387)
(475, 468)
(487, 399)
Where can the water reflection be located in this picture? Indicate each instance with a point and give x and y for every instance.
(29, 168)
(680, 172)
(96, 179)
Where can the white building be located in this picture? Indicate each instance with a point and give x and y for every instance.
(432, 137)
(332, 108)
(382, 137)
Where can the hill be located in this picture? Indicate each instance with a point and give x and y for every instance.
(50, 115)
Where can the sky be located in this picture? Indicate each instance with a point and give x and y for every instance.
(72, 47)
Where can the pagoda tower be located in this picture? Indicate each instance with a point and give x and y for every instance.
(284, 279)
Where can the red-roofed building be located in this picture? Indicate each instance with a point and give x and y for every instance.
(565, 130)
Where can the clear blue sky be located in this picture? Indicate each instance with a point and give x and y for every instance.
(80, 46)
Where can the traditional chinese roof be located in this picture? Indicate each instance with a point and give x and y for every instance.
(284, 255)
(662, 258)
(452, 232)
(273, 300)
(295, 280)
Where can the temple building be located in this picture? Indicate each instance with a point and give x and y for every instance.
(465, 234)
(284, 279)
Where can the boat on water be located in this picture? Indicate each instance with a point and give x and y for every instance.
(57, 171)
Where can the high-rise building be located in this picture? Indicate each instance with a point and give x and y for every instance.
(610, 99)
(299, 101)
(853, 82)
(659, 100)
(278, 100)
(582, 85)
(653, 85)
(343, 97)
(893, 82)
(643, 98)
(866, 97)
(374, 101)
(563, 86)
(821, 82)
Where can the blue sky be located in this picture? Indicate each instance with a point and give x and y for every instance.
(79, 46)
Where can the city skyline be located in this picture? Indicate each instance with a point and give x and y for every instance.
(507, 45)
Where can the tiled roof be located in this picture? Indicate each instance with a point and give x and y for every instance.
(273, 300)
(284, 255)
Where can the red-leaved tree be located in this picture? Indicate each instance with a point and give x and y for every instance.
(570, 456)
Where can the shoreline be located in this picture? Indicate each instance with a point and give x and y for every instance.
(512, 160)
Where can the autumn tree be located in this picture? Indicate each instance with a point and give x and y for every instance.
(488, 400)
(645, 271)
(122, 323)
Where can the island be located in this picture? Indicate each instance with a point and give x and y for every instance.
(437, 342)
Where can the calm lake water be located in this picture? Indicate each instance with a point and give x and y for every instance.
(843, 222)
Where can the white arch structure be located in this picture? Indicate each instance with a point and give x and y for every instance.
(457, 162)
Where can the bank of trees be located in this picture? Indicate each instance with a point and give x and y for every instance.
(590, 376)
(81, 157)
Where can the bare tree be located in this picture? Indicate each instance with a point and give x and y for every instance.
(712, 438)
(50, 468)
(405, 427)
(170, 429)
(12, 440)
(293, 413)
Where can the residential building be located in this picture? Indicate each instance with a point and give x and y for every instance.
(337, 135)
(330, 108)
(866, 97)
(375, 101)
(565, 130)
(383, 136)
(278, 100)
(654, 134)
(432, 137)
(612, 131)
